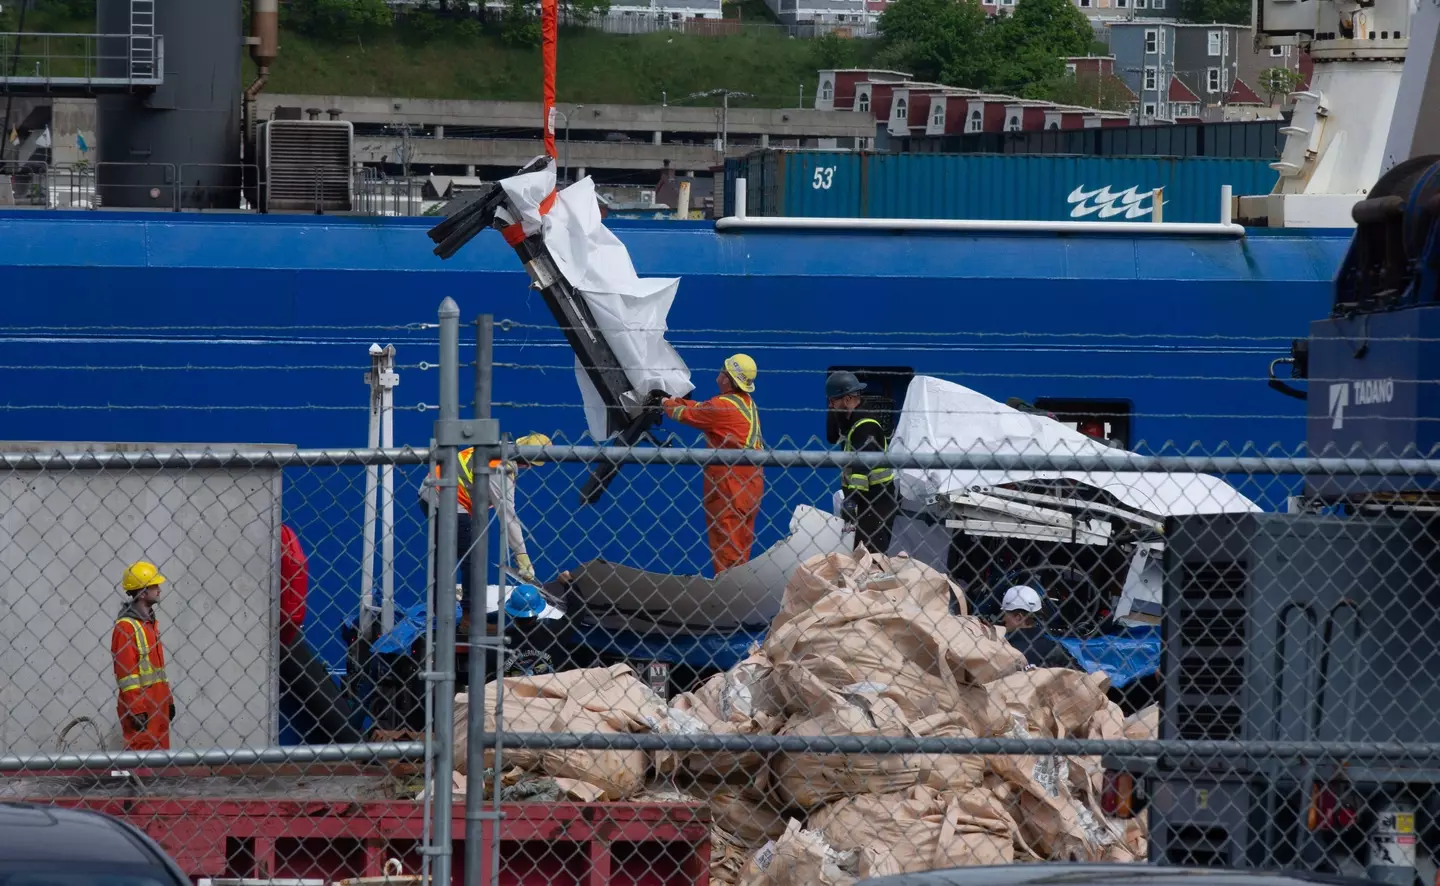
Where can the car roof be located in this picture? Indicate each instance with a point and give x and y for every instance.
(44, 833)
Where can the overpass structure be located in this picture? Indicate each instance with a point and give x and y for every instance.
(477, 134)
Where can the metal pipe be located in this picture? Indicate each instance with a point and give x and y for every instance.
(236, 458)
(740, 198)
(1226, 201)
(1168, 229)
(475, 815)
(366, 752)
(1122, 462)
(444, 675)
(1158, 203)
(1411, 754)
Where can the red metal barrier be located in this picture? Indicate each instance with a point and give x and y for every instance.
(555, 844)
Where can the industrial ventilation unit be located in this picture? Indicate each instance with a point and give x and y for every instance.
(305, 165)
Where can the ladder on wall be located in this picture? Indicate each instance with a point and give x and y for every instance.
(144, 65)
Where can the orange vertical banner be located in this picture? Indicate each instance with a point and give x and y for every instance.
(549, 33)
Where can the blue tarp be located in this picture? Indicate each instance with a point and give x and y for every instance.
(409, 627)
(1124, 658)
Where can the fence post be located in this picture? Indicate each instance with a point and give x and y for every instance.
(480, 643)
(446, 455)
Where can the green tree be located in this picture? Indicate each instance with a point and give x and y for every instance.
(1278, 81)
(832, 52)
(1107, 92)
(1230, 12)
(520, 26)
(338, 20)
(1029, 47)
(940, 41)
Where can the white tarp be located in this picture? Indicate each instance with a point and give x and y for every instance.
(629, 311)
(941, 416)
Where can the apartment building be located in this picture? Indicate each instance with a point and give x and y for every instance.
(1182, 71)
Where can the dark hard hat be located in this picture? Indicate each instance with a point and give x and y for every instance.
(841, 383)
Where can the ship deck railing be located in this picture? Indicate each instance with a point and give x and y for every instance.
(80, 64)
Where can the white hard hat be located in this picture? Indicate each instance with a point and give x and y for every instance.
(1021, 599)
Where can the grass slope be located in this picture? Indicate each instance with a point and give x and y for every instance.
(592, 67)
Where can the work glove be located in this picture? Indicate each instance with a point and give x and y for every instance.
(525, 568)
(138, 721)
(654, 404)
(849, 512)
(172, 710)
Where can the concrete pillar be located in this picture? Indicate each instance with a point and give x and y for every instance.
(470, 170)
(656, 138)
(439, 130)
(579, 173)
(764, 139)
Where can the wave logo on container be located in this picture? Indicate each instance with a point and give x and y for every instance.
(1128, 203)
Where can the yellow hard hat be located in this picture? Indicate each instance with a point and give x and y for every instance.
(741, 370)
(141, 575)
(534, 440)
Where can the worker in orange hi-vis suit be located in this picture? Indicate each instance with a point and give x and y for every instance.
(145, 706)
(732, 492)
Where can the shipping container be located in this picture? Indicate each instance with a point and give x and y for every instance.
(977, 186)
(1250, 140)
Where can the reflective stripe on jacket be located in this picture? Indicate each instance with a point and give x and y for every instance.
(855, 476)
(139, 657)
(729, 421)
(502, 496)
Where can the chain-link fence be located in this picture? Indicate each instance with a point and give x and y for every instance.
(1003, 640)
(1042, 647)
(156, 667)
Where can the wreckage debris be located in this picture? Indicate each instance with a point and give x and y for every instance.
(866, 646)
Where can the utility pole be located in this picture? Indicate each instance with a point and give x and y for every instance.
(725, 96)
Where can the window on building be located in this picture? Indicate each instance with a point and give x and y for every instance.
(1070, 69)
(884, 393)
(902, 110)
(1149, 109)
(937, 115)
(1053, 124)
(1013, 124)
(1214, 43)
(1139, 4)
(1086, 4)
(1121, 4)
(827, 91)
(862, 102)
(1278, 51)
(1152, 79)
(977, 121)
(1102, 419)
(1212, 80)
(1152, 41)
(1157, 4)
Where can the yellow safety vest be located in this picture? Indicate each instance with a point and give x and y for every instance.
(856, 478)
(752, 418)
(147, 675)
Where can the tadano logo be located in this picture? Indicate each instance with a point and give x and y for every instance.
(1111, 203)
(1367, 392)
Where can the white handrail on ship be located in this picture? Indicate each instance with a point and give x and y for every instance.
(979, 225)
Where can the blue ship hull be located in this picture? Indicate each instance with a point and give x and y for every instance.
(1182, 328)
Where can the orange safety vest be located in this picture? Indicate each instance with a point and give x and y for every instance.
(139, 660)
(722, 430)
(467, 478)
